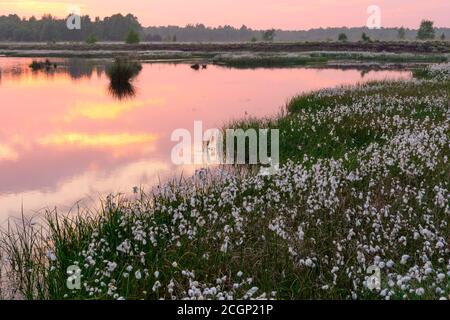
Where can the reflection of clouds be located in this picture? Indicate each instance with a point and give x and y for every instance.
(91, 184)
(7, 153)
(40, 80)
(80, 68)
(12, 147)
(108, 110)
(20, 142)
(96, 140)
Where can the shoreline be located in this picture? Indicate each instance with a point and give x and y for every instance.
(435, 47)
(243, 59)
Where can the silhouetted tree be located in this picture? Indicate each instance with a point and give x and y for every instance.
(402, 33)
(343, 37)
(426, 30)
(132, 37)
(365, 37)
(268, 35)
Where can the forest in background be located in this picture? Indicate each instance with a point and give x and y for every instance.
(116, 28)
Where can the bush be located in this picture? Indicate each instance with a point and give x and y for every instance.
(132, 37)
(91, 39)
(123, 70)
(269, 35)
(365, 37)
(402, 33)
(343, 37)
(426, 30)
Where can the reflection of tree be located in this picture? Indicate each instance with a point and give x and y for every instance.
(80, 68)
(12, 72)
(100, 70)
(364, 72)
(122, 90)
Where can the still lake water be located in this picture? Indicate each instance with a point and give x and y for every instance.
(65, 138)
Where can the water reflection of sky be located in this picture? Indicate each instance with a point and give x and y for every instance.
(63, 137)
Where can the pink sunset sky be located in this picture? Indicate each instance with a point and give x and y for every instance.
(261, 14)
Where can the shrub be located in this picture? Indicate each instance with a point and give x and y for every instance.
(426, 30)
(365, 37)
(343, 37)
(91, 39)
(132, 37)
(123, 70)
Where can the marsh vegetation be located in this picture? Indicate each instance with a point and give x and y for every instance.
(364, 182)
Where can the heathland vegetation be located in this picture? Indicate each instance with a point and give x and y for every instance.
(364, 182)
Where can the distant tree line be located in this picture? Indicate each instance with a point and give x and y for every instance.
(201, 33)
(127, 28)
(49, 28)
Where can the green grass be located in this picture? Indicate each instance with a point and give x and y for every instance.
(319, 140)
(364, 173)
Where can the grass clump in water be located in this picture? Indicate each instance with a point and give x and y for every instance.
(123, 70)
(121, 73)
